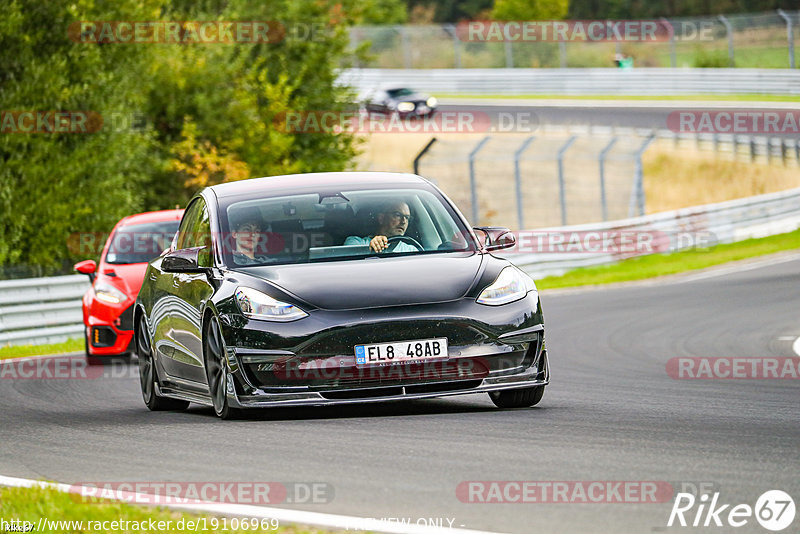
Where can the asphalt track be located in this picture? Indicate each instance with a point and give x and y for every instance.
(611, 413)
(630, 114)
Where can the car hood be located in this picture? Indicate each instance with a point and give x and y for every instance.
(377, 281)
(129, 276)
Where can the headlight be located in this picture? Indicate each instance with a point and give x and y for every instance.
(109, 293)
(405, 106)
(256, 305)
(512, 284)
(431, 102)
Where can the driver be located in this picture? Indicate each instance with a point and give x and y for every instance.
(393, 221)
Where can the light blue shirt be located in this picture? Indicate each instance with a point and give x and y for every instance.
(401, 246)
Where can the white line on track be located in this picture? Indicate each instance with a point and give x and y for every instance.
(261, 512)
(796, 346)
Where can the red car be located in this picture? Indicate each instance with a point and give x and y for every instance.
(108, 304)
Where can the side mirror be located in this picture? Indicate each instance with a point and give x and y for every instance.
(497, 237)
(187, 260)
(87, 267)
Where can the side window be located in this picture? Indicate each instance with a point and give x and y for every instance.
(187, 224)
(195, 231)
(202, 237)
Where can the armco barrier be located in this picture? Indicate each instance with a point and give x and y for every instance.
(698, 226)
(48, 310)
(41, 310)
(580, 81)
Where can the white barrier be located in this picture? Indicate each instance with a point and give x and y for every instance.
(583, 245)
(41, 310)
(521, 81)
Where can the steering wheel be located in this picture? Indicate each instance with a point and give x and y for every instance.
(397, 239)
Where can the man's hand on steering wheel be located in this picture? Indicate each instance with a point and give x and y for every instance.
(381, 243)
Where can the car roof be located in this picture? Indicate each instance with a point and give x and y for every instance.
(152, 216)
(303, 182)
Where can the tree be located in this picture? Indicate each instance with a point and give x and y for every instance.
(530, 9)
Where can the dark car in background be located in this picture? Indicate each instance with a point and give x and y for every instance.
(401, 100)
(272, 295)
(108, 304)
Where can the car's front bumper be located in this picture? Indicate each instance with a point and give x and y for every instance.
(535, 375)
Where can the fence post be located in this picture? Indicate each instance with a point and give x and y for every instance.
(602, 161)
(752, 148)
(518, 180)
(406, 47)
(562, 192)
(729, 31)
(640, 174)
(797, 151)
(673, 62)
(509, 54)
(789, 35)
(422, 153)
(473, 189)
(451, 29)
(562, 54)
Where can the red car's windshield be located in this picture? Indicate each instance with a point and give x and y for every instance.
(140, 243)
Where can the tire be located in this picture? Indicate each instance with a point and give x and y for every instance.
(217, 375)
(148, 376)
(517, 398)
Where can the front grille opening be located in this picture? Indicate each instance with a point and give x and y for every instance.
(452, 386)
(362, 393)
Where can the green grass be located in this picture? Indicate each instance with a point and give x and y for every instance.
(72, 345)
(702, 97)
(30, 504)
(664, 264)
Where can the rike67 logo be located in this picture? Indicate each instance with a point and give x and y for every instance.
(774, 510)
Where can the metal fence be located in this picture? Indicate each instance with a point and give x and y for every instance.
(41, 310)
(552, 178)
(591, 81)
(764, 40)
(566, 175)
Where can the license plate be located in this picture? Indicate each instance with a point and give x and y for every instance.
(402, 351)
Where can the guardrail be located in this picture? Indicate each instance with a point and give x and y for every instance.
(669, 231)
(34, 311)
(594, 81)
(48, 310)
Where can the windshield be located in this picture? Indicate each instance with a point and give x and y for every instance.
(394, 93)
(140, 243)
(340, 226)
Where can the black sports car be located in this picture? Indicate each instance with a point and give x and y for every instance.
(401, 100)
(329, 288)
